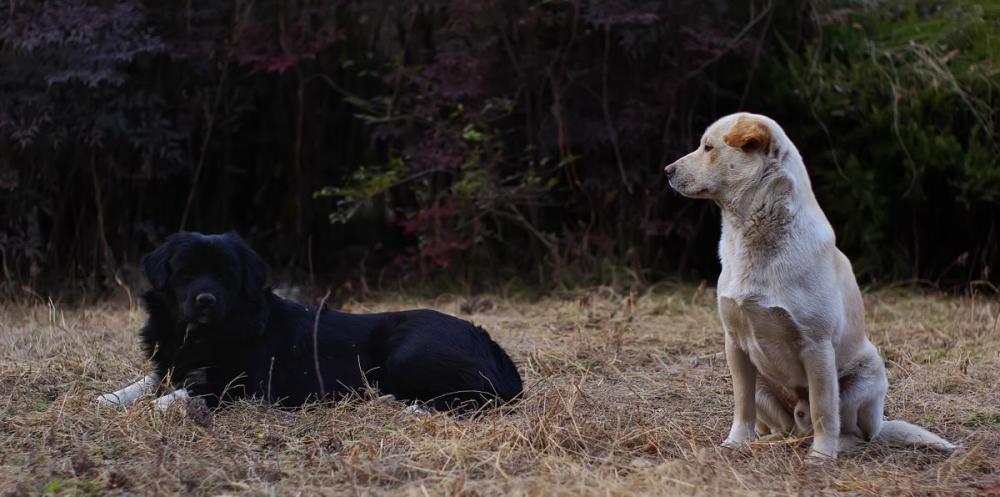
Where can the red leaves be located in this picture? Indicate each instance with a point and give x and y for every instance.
(268, 48)
(439, 239)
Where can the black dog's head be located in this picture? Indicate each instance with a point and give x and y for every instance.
(207, 278)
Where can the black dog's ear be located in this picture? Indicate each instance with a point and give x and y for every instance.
(156, 264)
(254, 268)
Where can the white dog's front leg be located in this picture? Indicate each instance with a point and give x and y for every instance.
(179, 397)
(820, 364)
(744, 390)
(128, 395)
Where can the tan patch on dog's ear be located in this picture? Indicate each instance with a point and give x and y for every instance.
(748, 134)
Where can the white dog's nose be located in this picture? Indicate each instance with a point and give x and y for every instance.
(670, 170)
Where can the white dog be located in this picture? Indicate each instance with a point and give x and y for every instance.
(791, 310)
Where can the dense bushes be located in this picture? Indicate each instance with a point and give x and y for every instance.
(481, 139)
(896, 108)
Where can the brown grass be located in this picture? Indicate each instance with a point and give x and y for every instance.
(627, 395)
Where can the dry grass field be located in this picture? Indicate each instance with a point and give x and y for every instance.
(626, 395)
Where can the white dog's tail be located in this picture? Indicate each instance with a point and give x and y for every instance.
(901, 433)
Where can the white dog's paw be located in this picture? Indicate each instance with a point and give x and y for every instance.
(823, 450)
(817, 458)
(734, 444)
(740, 436)
(772, 437)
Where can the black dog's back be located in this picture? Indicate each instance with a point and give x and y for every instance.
(414, 355)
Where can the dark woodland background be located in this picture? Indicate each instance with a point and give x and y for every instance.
(483, 142)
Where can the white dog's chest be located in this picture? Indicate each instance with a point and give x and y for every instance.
(769, 336)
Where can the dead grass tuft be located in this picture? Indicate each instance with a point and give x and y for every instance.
(627, 394)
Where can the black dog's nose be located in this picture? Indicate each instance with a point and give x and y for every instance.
(670, 170)
(205, 299)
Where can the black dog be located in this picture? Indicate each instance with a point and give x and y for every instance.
(218, 332)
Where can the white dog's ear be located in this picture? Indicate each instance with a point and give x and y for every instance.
(748, 134)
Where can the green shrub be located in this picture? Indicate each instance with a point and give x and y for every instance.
(894, 107)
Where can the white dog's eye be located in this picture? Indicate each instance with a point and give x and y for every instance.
(708, 148)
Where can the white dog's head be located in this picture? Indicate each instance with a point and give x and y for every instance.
(737, 154)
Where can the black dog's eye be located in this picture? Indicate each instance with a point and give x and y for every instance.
(708, 148)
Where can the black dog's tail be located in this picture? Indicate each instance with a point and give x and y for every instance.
(444, 361)
(488, 379)
(507, 385)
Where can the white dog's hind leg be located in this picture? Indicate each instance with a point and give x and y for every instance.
(773, 414)
(128, 395)
(179, 396)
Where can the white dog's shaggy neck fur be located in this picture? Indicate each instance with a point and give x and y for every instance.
(769, 221)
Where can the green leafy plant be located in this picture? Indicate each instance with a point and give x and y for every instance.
(899, 131)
